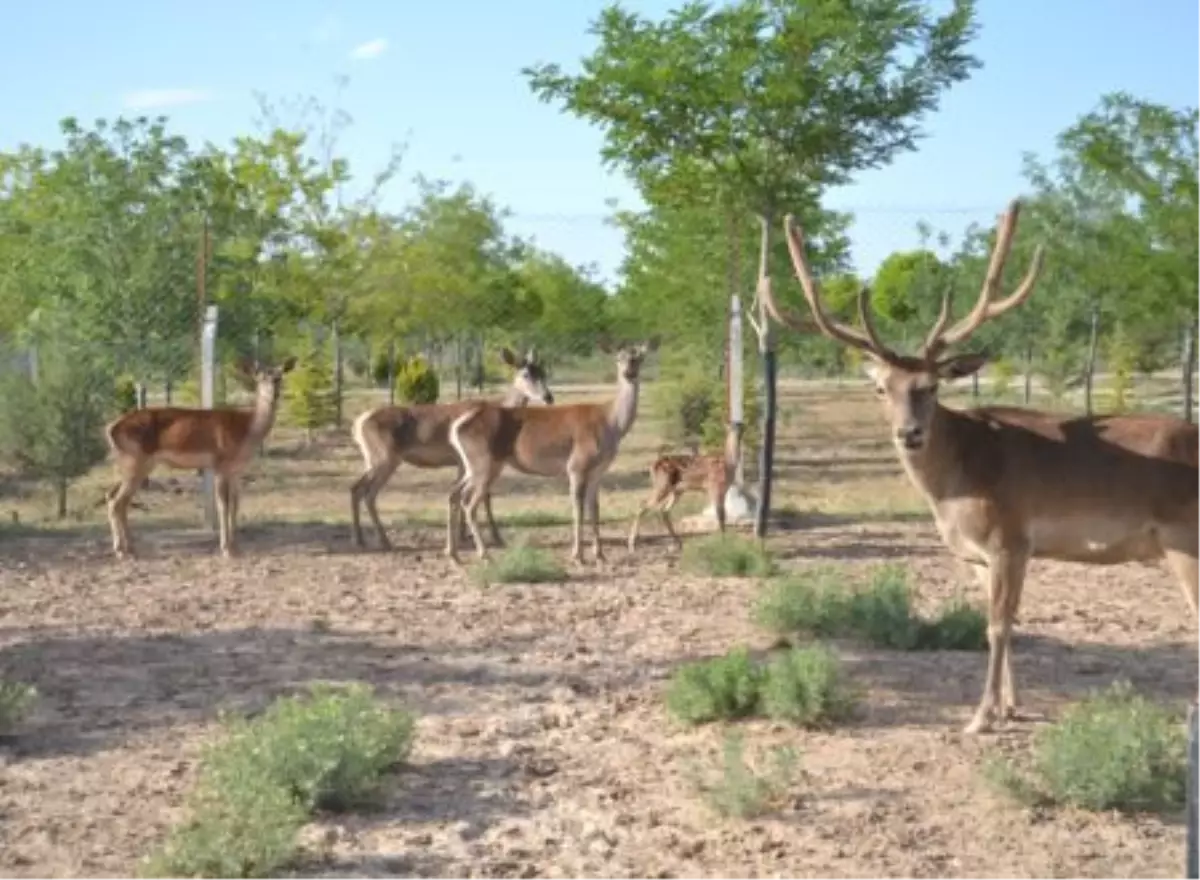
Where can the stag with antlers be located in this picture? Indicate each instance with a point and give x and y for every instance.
(578, 440)
(420, 436)
(1007, 484)
(222, 439)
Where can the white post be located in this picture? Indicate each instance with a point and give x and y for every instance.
(737, 415)
(208, 375)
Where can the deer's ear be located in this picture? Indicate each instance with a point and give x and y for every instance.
(961, 365)
(508, 357)
(288, 365)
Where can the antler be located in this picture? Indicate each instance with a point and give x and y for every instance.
(868, 340)
(939, 337)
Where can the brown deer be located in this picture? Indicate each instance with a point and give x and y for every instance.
(1006, 484)
(578, 440)
(420, 436)
(673, 475)
(221, 439)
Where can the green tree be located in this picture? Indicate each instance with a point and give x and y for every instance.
(762, 104)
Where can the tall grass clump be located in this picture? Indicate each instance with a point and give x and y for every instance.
(727, 555)
(16, 701)
(521, 564)
(741, 790)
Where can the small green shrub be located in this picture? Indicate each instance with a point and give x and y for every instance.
(125, 396)
(381, 367)
(1115, 750)
(417, 382)
(328, 750)
(723, 687)
(692, 406)
(727, 555)
(817, 602)
(308, 390)
(806, 686)
(16, 701)
(521, 564)
(1003, 371)
(740, 791)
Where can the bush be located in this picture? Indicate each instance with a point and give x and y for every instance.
(54, 430)
(740, 791)
(805, 686)
(693, 409)
(1113, 751)
(723, 687)
(417, 382)
(818, 603)
(125, 396)
(727, 555)
(308, 391)
(326, 751)
(521, 564)
(16, 701)
(381, 368)
(1003, 371)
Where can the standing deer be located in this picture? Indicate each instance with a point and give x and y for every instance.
(578, 440)
(221, 439)
(420, 436)
(672, 475)
(1007, 484)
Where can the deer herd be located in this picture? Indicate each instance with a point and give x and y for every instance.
(1005, 485)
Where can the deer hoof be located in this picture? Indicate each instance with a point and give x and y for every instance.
(981, 723)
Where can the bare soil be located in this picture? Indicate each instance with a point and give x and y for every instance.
(543, 747)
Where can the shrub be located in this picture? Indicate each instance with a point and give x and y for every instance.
(125, 396)
(1122, 362)
(417, 382)
(381, 368)
(1003, 371)
(1113, 751)
(521, 564)
(54, 430)
(723, 687)
(727, 555)
(16, 700)
(740, 791)
(817, 602)
(805, 686)
(328, 750)
(693, 409)
(308, 391)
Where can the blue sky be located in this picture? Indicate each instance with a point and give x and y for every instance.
(443, 77)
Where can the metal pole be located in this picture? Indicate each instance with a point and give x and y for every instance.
(737, 411)
(208, 345)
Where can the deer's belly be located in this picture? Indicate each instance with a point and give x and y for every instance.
(439, 456)
(1093, 539)
(186, 460)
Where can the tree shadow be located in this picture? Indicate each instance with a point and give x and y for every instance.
(97, 690)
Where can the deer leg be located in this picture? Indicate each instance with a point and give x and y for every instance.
(1005, 576)
(1184, 566)
(716, 495)
(478, 491)
(457, 503)
(665, 513)
(119, 498)
(578, 490)
(592, 497)
(366, 490)
(222, 492)
(487, 509)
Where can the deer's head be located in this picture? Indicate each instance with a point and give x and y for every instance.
(267, 381)
(907, 385)
(530, 376)
(630, 357)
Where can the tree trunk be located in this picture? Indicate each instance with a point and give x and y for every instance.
(337, 376)
(1028, 374)
(481, 371)
(1189, 365)
(1090, 368)
(167, 391)
(975, 385)
(766, 345)
(60, 491)
(391, 375)
(458, 365)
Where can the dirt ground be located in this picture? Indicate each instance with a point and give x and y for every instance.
(543, 747)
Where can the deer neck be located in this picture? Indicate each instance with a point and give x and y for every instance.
(623, 410)
(513, 399)
(262, 419)
(933, 468)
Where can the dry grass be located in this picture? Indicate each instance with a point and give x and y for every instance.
(543, 746)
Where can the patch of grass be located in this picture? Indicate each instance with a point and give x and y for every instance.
(16, 701)
(723, 687)
(1114, 750)
(727, 555)
(327, 750)
(740, 791)
(521, 564)
(805, 686)
(818, 602)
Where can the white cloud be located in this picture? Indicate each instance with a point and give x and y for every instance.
(370, 49)
(155, 99)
